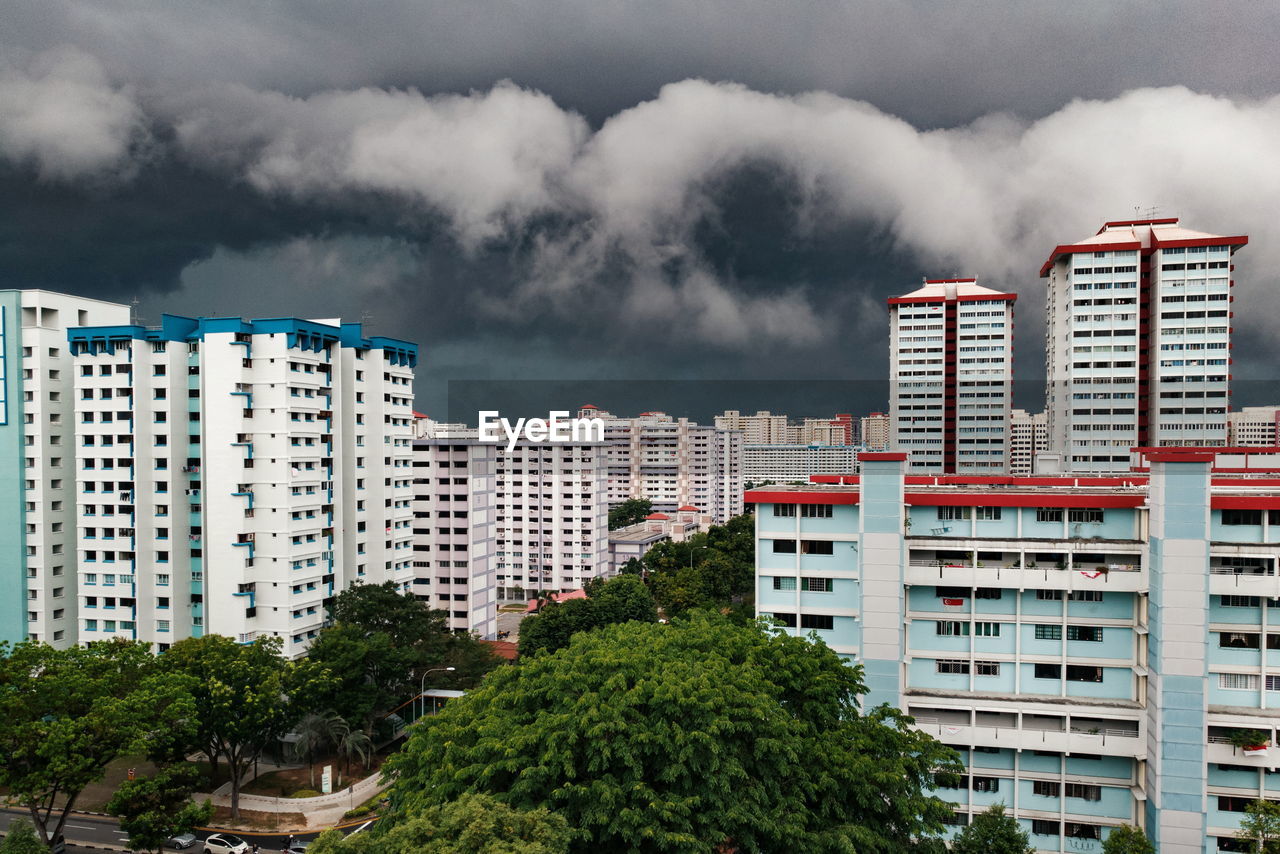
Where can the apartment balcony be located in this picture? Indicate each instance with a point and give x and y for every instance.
(1036, 732)
(1247, 576)
(924, 572)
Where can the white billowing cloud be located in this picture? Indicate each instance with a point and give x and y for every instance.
(62, 114)
(486, 161)
(601, 224)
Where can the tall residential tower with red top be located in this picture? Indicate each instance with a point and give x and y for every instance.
(951, 373)
(1137, 341)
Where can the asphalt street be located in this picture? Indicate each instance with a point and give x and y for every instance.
(85, 833)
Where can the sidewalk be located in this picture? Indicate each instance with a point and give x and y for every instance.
(319, 813)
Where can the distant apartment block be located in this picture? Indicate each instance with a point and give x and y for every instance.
(551, 518)
(37, 433)
(673, 462)
(232, 476)
(1137, 341)
(1254, 425)
(951, 376)
(1028, 436)
(877, 430)
(763, 428)
(795, 463)
(633, 541)
(454, 530)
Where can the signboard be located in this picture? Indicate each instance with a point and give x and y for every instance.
(326, 780)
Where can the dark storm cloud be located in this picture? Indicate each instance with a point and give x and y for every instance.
(593, 218)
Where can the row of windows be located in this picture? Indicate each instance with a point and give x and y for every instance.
(1074, 672)
(807, 547)
(807, 511)
(1043, 514)
(808, 585)
(997, 593)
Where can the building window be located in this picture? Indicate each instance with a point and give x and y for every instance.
(817, 585)
(1084, 791)
(823, 622)
(1239, 640)
(1085, 514)
(988, 593)
(987, 668)
(1044, 632)
(815, 511)
(986, 630)
(985, 784)
(1048, 671)
(1238, 681)
(950, 513)
(1242, 517)
(1083, 673)
(817, 547)
(1240, 601)
(947, 665)
(989, 514)
(1049, 514)
(1045, 789)
(787, 547)
(951, 628)
(784, 510)
(1084, 633)
(1044, 827)
(1085, 596)
(788, 620)
(782, 583)
(1076, 830)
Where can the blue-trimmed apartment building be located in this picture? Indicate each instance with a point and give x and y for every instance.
(230, 476)
(1092, 647)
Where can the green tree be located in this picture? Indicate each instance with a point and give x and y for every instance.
(473, 824)
(653, 738)
(992, 832)
(20, 838)
(354, 744)
(154, 809)
(316, 731)
(1261, 826)
(1127, 839)
(66, 714)
(629, 512)
(618, 600)
(246, 696)
(714, 571)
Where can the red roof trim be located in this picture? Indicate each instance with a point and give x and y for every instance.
(1245, 502)
(1238, 240)
(951, 281)
(882, 457)
(1168, 220)
(764, 496)
(1014, 499)
(1179, 457)
(1073, 248)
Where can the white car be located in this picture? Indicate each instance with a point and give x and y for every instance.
(225, 843)
(182, 841)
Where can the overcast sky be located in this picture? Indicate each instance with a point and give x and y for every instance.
(596, 190)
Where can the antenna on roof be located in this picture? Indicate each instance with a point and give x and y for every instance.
(1145, 213)
(134, 318)
(366, 319)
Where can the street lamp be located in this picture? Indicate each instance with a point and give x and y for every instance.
(695, 549)
(422, 687)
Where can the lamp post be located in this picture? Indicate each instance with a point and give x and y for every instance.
(695, 549)
(422, 687)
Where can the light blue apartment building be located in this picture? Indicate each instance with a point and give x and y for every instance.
(1092, 647)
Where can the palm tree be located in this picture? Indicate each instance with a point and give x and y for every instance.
(315, 732)
(354, 744)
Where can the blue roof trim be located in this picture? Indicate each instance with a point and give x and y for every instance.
(302, 334)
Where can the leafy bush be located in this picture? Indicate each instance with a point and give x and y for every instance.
(305, 793)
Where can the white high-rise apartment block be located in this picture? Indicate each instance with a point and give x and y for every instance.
(763, 428)
(233, 475)
(37, 432)
(1028, 436)
(951, 376)
(876, 431)
(1137, 342)
(794, 463)
(552, 518)
(1254, 426)
(673, 462)
(455, 568)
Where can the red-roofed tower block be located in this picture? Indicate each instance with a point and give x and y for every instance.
(1138, 341)
(951, 377)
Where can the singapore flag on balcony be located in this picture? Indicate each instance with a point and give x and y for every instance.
(1255, 750)
(1090, 574)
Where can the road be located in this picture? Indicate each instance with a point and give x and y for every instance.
(84, 833)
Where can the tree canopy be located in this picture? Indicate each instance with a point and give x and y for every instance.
(473, 824)
(246, 695)
(20, 838)
(715, 570)
(1127, 839)
(657, 738)
(629, 512)
(1261, 826)
(608, 602)
(66, 714)
(155, 809)
(992, 832)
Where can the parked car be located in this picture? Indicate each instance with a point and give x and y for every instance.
(297, 848)
(182, 841)
(225, 843)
